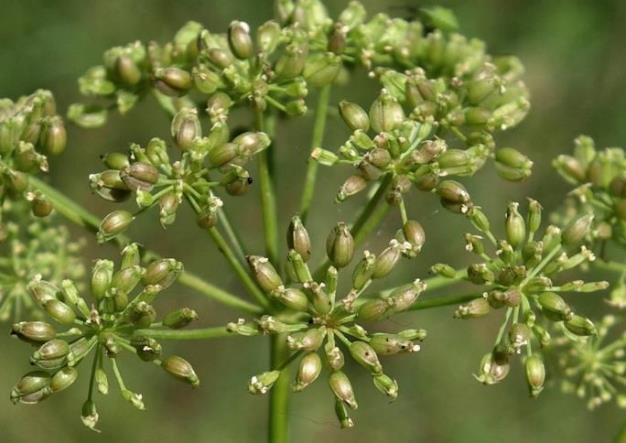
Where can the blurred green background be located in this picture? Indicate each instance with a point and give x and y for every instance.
(576, 63)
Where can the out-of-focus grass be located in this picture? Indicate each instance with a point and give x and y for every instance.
(575, 62)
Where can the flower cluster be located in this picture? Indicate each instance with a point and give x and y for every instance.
(439, 89)
(29, 129)
(128, 73)
(442, 100)
(594, 367)
(316, 320)
(305, 48)
(401, 155)
(197, 62)
(521, 279)
(206, 163)
(29, 248)
(120, 317)
(600, 180)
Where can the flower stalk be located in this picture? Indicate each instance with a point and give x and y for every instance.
(317, 137)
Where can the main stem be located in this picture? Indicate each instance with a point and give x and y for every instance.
(319, 127)
(268, 194)
(81, 217)
(279, 396)
(278, 426)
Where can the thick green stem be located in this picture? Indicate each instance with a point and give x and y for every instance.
(80, 216)
(319, 127)
(278, 425)
(184, 334)
(279, 397)
(268, 197)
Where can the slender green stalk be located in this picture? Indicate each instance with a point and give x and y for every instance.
(373, 213)
(278, 426)
(214, 293)
(92, 377)
(66, 207)
(232, 235)
(80, 216)
(231, 258)
(118, 375)
(502, 329)
(185, 334)
(440, 281)
(403, 214)
(319, 127)
(238, 267)
(446, 300)
(436, 282)
(537, 269)
(268, 197)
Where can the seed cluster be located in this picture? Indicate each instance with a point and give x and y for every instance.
(521, 278)
(205, 164)
(29, 129)
(600, 180)
(439, 90)
(411, 149)
(119, 319)
(316, 319)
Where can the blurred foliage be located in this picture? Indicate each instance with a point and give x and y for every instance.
(575, 60)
